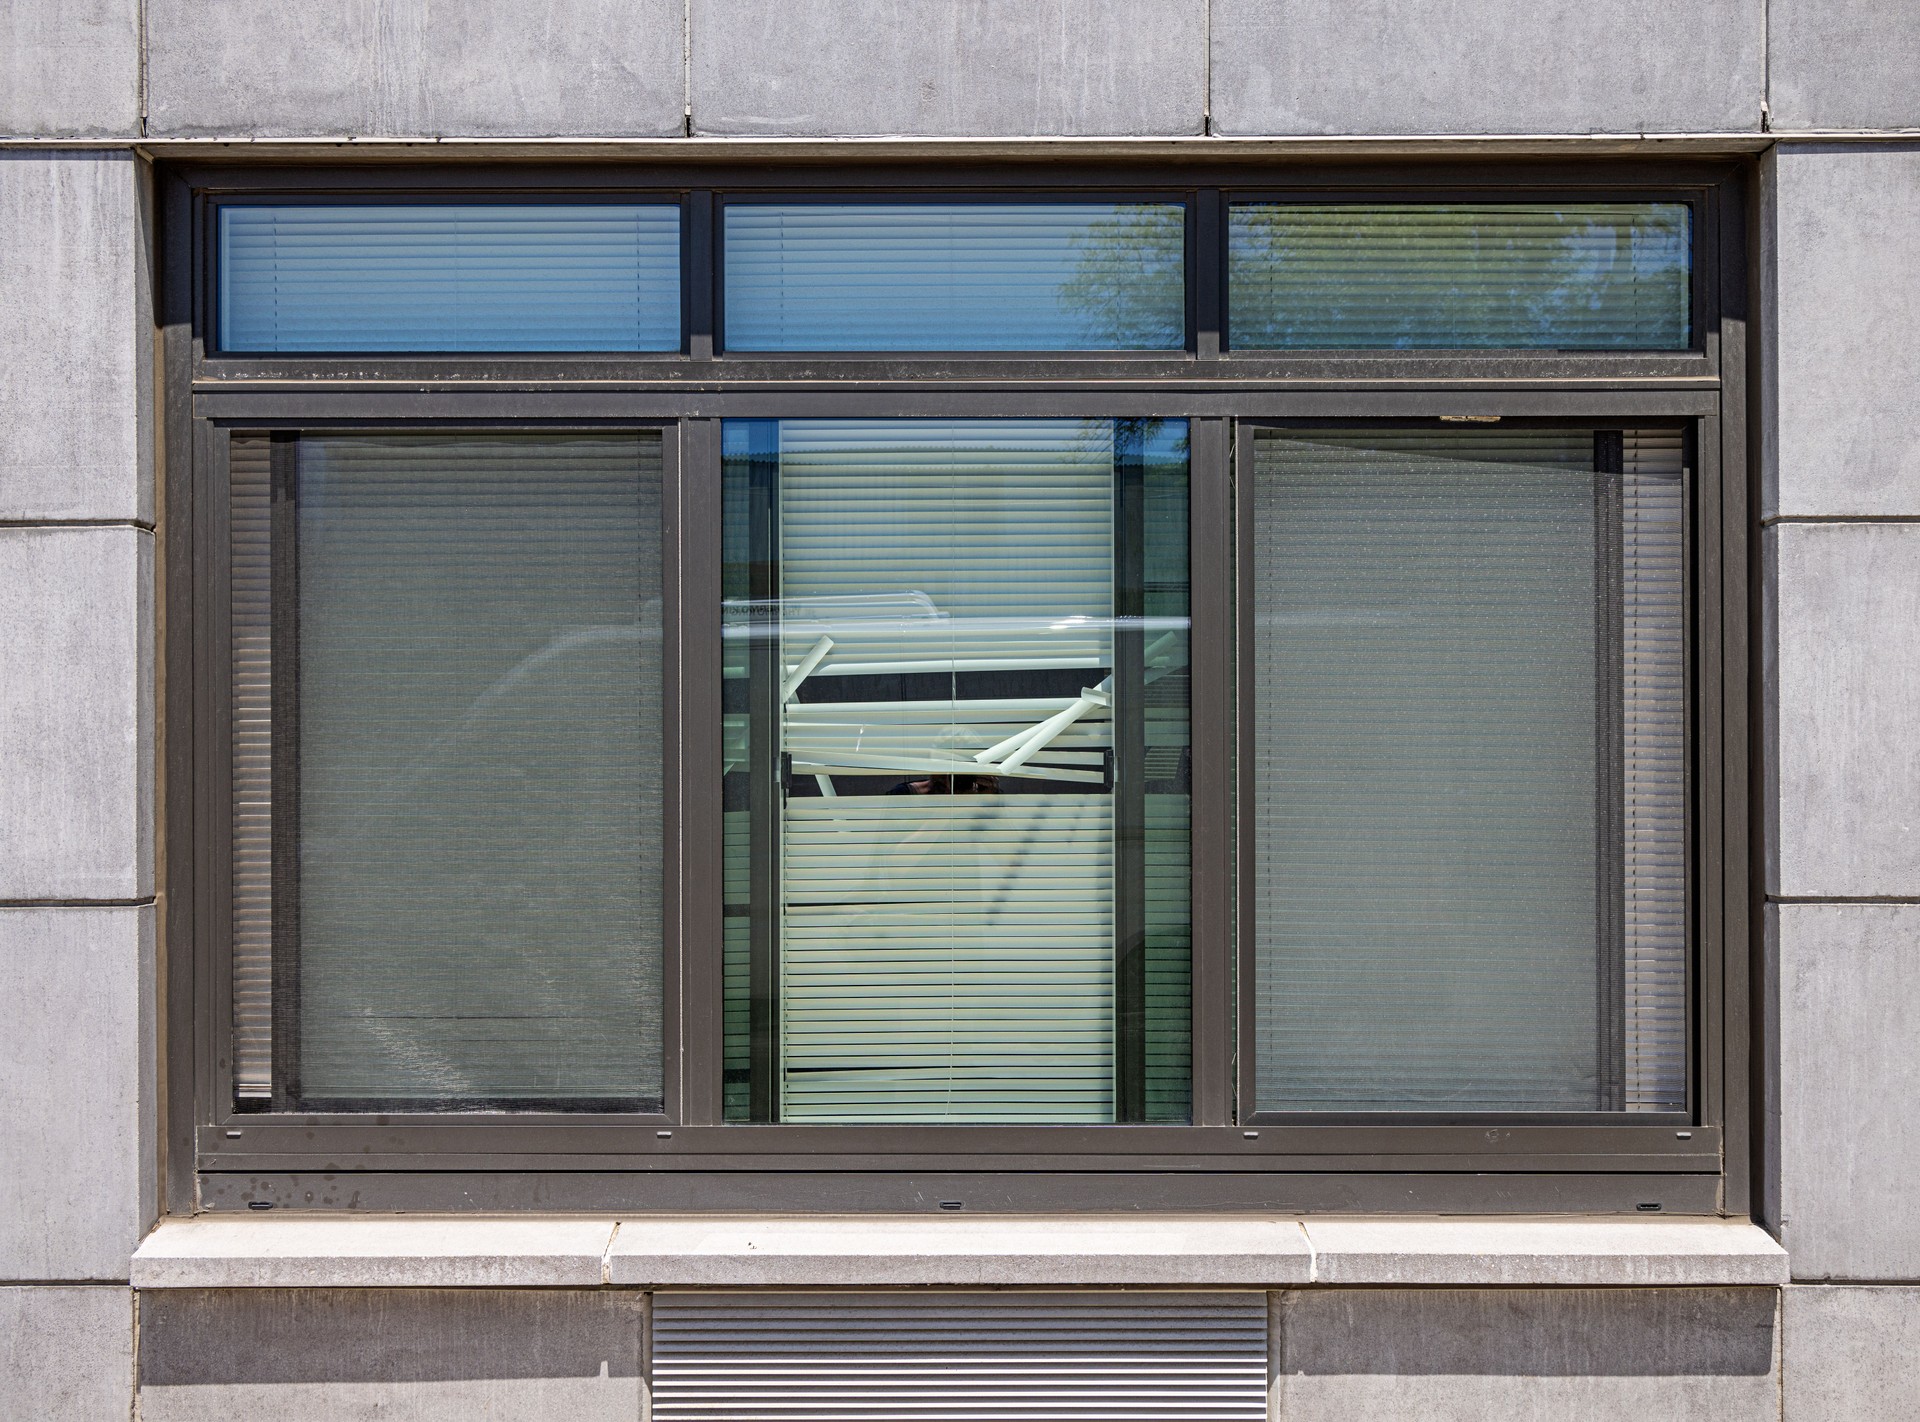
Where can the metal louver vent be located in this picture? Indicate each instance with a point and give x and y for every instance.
(959, 1357)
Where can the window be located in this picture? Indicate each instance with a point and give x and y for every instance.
(993, 690)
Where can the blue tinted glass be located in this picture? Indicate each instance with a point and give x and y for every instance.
(1566, 276)
(955, 276)
(450, 277)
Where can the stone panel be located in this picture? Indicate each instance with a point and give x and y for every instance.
(1843, 260)
(1843, 63)
(398, 1355)
(1845, 672)
(71, 69)
(1485, 66)
(1490, 1355)
(513, 68)
(1850, 1354)
(77, 1156)
(979, 68)
(66, 1354)
(76, 338)
(76, 713)
(1849, 1089)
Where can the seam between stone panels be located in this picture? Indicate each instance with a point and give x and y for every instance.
(1843, 900)
(143, 526)
(1772, 520)
(77, 903)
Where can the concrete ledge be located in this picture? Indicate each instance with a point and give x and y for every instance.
(1565, 1252)
(1066, 1251)
(387, 1251)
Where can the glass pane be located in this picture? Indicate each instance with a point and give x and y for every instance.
(1568, 276)
(449, 277)
(988, 276)
(1469, 771)
(468, 642)
(956, 771)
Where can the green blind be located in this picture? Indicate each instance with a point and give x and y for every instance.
(1566, 276)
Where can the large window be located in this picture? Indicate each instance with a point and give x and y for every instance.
(994, 690)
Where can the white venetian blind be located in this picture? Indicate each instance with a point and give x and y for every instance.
(977, 276)
(1654, 744)
(946, 956)
(1568, 276)
(1441, 921)
(479, 773)
(416, 276)
(250, 510)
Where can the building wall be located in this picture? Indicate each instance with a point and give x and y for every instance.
(1834, 85)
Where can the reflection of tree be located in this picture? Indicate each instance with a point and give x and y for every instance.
(1129, 288)
(1576, 276)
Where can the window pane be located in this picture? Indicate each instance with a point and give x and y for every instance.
(956, 771)
(461, 798)
(1469, 771)
(450, 277)
(955, 276)
(1578, 276)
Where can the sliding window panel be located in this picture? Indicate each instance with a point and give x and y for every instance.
(1469, 772)
(312, 278)
(463, 817)
(1353, 276)
(979, 276)
(956, 758)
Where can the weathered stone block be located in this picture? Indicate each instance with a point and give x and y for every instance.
(66, 1353)
(986, 68)
(1843, 64)
(1849, 1089)
(1850, 1354)
(422, 1355)
(78, 1154)
(76, 335)
(70, 70)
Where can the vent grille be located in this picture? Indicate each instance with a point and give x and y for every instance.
(959, 1357)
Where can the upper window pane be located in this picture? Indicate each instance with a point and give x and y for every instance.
(982, 276)
(1469, 806)
(449, 277)
(1576, 276)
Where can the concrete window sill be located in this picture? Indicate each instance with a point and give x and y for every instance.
(413, 1251)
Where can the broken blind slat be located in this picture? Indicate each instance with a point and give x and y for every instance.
(1573, 276)
(955, 276)
(479, 773)
(437, 277)
(1434, 799)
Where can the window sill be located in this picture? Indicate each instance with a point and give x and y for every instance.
(292, 1251)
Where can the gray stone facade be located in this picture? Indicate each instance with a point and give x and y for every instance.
(95, 93)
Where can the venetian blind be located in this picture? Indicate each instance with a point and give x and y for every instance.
(1569, 276)
(984, 276)
(313, 277)
(1439, 911)
(476, 639)
(946, 957)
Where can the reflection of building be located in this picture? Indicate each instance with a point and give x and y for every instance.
(905, 711)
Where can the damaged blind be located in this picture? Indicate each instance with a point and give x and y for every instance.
(432, 277)
(447, 850)
(1564, 276)
(1470, 791)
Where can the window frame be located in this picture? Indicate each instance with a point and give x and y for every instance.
(684, 1158)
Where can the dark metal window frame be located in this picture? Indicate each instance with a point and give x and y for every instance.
(221, 1158)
